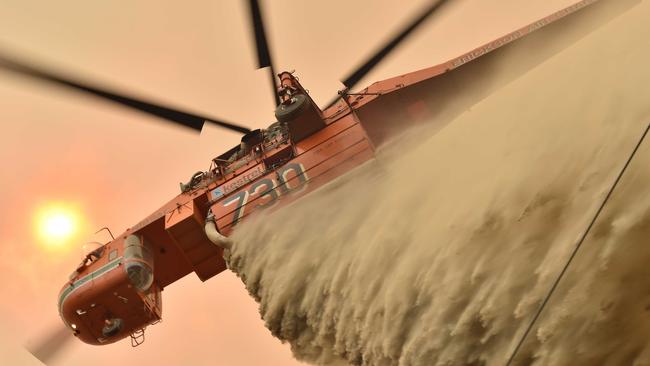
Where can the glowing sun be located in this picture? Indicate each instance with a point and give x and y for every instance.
(57, 224)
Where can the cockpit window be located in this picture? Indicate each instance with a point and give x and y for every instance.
(93, 250)
(92, 253)
(96, 254)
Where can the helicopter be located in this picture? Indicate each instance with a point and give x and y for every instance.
(115, 292)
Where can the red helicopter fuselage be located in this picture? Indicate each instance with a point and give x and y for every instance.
(115, 291)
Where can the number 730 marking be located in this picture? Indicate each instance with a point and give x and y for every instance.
(290, 178)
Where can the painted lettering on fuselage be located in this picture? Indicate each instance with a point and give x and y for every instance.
(242, 180)
(265, 192)
(518, 34)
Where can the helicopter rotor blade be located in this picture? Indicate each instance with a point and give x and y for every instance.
(375, 59)
(51, 345)
(262, 46)
(178, 117)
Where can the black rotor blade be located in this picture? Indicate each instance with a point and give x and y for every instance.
(262, 46)
(365, 68)
(176, 116)
(48, 347)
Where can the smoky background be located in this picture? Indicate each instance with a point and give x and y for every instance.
(441, 250)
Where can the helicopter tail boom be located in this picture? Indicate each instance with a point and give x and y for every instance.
(442, 92)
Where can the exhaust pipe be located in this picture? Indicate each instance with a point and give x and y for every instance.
(215, 236)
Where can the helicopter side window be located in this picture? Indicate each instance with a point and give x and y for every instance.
(112, 255)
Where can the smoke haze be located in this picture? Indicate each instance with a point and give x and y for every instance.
(441, 250)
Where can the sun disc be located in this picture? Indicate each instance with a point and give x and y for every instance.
(56, 225)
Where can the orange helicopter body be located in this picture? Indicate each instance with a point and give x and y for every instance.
(115, 292)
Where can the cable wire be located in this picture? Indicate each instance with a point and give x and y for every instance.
(577, 247)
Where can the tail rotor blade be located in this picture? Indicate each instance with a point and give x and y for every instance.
(176, 116)
(262, 46)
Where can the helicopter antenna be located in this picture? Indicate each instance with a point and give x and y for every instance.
(107, 229)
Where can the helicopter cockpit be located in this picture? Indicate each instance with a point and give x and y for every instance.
(112, 293)
(91, 251)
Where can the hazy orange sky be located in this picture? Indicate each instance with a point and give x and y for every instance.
(119, 166)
